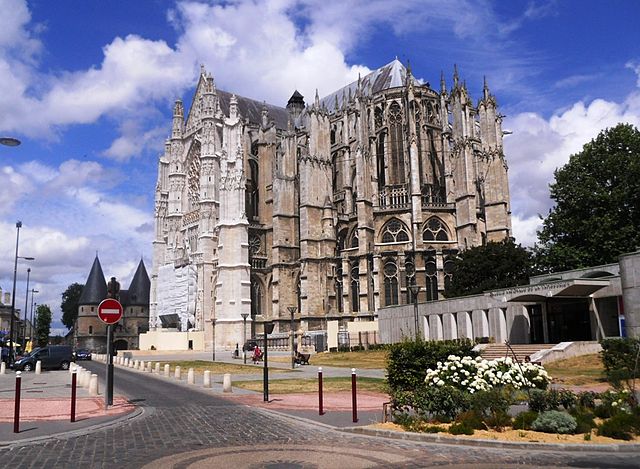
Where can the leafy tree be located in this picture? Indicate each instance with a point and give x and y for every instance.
(495, 265)
(43, 324)
(597, 204)
(69, 305)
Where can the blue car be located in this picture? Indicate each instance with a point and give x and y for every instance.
(82, 354)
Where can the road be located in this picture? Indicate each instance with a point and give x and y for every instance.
(181, 427)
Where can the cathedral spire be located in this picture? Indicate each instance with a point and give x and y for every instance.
(485, 89)
(317, 100)
(443, 83)
(178, 119)
(265, 115)
(455, 75)
(233, 107)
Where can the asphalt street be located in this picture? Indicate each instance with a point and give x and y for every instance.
(182, 427)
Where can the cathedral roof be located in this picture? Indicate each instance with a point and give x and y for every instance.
(138, 293)
(392, 75)
(252, 110)
(95, 288)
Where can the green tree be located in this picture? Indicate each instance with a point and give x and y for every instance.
(69, 305)
(43, 324)
(596, 216)
(495, 265)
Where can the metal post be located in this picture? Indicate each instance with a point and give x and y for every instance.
(108, 395)
(292, 310)
(415, 290)
(16, 413)
(354, 399)
(26, 302)
(74, 383)
(13, 296)
(320, 397)
(244, 337)
(265, 375)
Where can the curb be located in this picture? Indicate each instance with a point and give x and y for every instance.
(122, 420)
(452, 440)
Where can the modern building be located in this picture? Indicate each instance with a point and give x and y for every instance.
(574, 306)
(325, 210)
(91, 333)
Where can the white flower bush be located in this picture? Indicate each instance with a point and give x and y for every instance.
(476, 374)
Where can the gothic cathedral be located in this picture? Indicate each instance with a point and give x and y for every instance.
(332, 208)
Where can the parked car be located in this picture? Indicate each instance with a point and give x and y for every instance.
(82, 354)
(249, 345)
(51, 357)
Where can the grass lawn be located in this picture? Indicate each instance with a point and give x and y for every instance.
(200, 366)
(577, 371)
(368, 359)
(287, 386)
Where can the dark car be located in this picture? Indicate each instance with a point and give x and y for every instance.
(50, 357)
(249, 345)
(82, 354)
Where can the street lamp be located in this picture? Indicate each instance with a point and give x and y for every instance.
(244, 337)
(292, 310)
(268, 329)
(415, 289)
(9, 141)
(33, 304)
(13, 293)
(26, 303)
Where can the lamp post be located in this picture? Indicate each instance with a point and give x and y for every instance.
(33, 304)
(292, 310)
(26, 303)
(415, 289)
(13, 293)
(268, 329)
(244, 337)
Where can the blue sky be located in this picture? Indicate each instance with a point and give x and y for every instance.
(88, 87)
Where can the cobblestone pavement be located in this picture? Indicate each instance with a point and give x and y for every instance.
(186, 428)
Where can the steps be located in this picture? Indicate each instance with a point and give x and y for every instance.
(493, 351)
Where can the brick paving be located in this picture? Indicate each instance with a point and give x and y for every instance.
(181, 427)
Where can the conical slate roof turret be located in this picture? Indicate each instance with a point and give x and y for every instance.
(95, 288)
(140, 287)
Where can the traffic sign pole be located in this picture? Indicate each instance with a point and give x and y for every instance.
(110, 312)
(108, 395)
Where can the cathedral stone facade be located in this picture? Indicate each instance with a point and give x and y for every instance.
(333, 208)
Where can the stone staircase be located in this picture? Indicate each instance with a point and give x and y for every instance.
(493, 351)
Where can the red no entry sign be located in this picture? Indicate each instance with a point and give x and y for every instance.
(110, 311)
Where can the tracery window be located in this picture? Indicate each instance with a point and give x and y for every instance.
(448, 268)
(397, 144)
(253, 195)
(255, 245)
(339, 287)
(342, 235)
(390, 271)
(256, 297)
(395, 232)
(193, 176)
(355, 286)
(354, 242)
(431, 272)
(381, 161)
(435, 230)
(410, 273)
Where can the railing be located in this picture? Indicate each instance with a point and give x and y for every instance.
(433, 197)
(258, 262)
(392, 197)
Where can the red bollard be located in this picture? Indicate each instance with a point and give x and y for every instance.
(73, 395)
(320, 400)
(16, 415)
(354, 399)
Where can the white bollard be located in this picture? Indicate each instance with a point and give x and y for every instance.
(38, 367)
(176, 375)
(150, 368)
(166, 370)
(191, 377)
(207, 379)
(226, 383)
(3, 368)
(72, 366)
(157, 368)
(93, 384)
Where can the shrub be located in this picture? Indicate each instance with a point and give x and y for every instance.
(472, 419)
(460, 429)
(584, 421)
(622, 426)
(523, 420)
(551, 399)
(409, 361)
(620, 360)
(554, 421)
(587, 399)
(429, 401)
(435, 429)
(567, 398)
(612, 402)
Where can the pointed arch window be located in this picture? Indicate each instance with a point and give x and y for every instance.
(339, 287)
(431, 272)
(397, 175)
(390, 271)
(435, 230)
(395, 232)
(355, 286)
(448, 268)
(256, 298)
(354, 242)
(253, 194)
